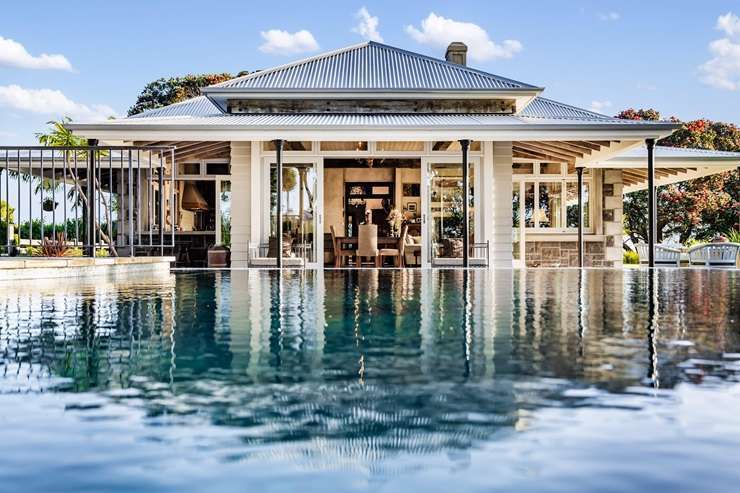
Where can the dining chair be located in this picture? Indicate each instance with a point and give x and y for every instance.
(368, 243)
(398, 252)
(339, 253)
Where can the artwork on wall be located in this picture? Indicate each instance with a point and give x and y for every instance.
(411, 190)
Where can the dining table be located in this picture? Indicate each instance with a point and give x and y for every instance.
(351, 242)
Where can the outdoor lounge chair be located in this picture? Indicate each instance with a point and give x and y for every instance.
(715, 254)
(664, 255)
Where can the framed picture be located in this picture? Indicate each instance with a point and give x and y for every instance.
(411, 190)
(412, 207)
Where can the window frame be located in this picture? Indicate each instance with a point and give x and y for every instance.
(536, 178)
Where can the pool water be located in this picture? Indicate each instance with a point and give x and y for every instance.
(394, 380)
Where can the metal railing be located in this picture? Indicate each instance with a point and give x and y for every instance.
(87, 200)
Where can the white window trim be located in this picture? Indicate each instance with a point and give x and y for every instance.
(563, 178)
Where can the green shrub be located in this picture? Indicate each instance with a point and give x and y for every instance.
(733, 235)
(630, 257)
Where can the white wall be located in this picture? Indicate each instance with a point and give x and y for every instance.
(241, 203)
(497, 183)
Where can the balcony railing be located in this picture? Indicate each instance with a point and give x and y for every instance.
(88, 200)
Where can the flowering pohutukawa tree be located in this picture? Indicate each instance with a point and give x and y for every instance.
(695, 209)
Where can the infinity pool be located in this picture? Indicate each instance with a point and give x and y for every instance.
(538, 380)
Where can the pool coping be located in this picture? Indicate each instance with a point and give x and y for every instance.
(25, 268)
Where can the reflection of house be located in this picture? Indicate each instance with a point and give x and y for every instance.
(388, 124)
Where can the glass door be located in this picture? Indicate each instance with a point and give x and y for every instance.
(301, 217)
(443, 205)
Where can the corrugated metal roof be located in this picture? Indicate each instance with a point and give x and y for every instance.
(380, 120)
(541, 109)
(372, 65)
(664, 152)
(547, 108)
(199, 106)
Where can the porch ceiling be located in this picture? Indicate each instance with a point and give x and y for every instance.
(573, 152)
(635, 179)
(194, 150)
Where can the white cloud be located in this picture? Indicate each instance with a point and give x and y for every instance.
(723, 69)
(14, 54)
(600, 106)
(279, 42)
(51, 102)
(610, 16)
(729, 23)
(368, 26)
(440, 31)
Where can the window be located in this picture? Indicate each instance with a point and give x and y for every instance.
(288, 145)
(523, 168)
(551, 168)
(188, 169)
(344, 146)
(529, 205)
(415, 146)
(546, 197)
(454, 146)
(217, 169)
(549, 214)
(572, 205)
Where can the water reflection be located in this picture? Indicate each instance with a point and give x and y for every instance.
(351, 367)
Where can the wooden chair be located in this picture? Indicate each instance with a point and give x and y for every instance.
(367, 246)
(339, 252)
(397, 252)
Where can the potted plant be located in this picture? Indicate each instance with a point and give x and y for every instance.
(48, 205)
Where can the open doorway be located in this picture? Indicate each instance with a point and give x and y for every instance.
(385, 192)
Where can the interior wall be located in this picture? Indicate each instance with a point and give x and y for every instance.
(335, 178)
(334, 200)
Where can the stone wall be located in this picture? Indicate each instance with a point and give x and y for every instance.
(611, 216)
(564, 254)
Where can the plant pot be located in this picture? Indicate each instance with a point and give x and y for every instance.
(48, 205)
(218, 256)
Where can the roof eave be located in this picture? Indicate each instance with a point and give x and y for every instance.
(185, 131)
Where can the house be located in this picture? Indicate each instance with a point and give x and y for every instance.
(367, 129)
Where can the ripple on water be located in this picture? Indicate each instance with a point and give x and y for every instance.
(502, 380)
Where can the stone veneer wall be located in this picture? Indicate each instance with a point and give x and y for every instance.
(601, 253)
(611, 216)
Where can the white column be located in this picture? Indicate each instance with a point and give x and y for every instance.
(257, 195)
(500, 209)
(485, 184)
(241, 159)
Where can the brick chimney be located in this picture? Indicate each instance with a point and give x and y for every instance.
(457, 52)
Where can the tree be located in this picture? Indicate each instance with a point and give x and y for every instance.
(60, 136)
(7, 216)
(166, 91)
(694, 209)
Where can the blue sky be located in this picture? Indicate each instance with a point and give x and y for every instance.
(680, 57)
